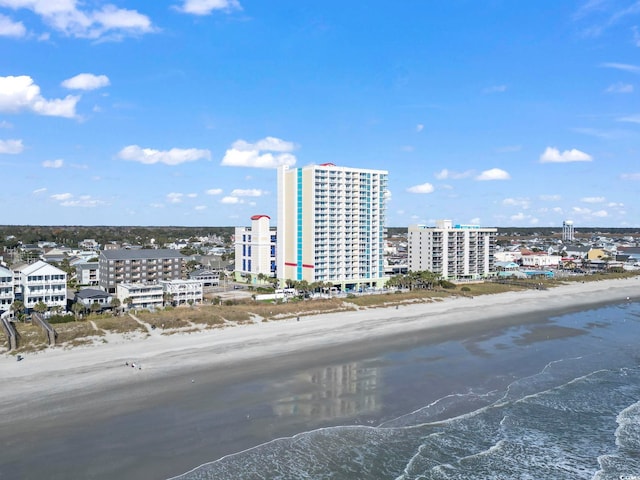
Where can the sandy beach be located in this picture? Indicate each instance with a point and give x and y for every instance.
(61, 389)
(65, 370)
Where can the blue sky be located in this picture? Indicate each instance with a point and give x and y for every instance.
(501, 113)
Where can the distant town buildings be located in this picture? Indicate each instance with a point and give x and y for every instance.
(331, 225)
(456, 252)
(255, 250)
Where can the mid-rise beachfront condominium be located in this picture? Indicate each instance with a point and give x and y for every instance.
(331, 223)
(455, 252)
(255, 249)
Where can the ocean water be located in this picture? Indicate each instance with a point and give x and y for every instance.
(555, 399)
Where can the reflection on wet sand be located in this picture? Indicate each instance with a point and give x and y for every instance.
(334, 392)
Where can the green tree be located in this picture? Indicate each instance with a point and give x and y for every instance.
(115, 305)
(77, 308)
(95, 307)
(40, 307)
(17, 307)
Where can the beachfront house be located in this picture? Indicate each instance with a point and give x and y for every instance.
(140, 296)
(41, 282)
(6, 289)
(88, 297)
(182, 292)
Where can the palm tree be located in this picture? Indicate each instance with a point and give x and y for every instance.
(95, 307)
(115, 304)
(40, 307)
(17, 307)
(77, 309)
(128, 302)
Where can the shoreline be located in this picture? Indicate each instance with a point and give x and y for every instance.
(232, 350)
(202, 396)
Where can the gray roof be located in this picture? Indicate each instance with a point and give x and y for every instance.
(91, 293)
(153, 254)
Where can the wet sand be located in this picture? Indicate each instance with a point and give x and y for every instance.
(84, 414)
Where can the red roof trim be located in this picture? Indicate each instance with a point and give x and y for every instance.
(327, 164)
(258, 217)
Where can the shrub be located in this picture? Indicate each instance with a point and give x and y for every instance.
(61, 319)
(447, 284)
(465, 289)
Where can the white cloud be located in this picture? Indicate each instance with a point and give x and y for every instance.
(630, 118)
(61, 196)
(38, 191)
(493, 174)
(175, 156)
(214, 191)
(524, 203)
(423, 188)
(20, 93)
(622, 66)
(85, 201)
(53, 163)
(230, 200)
(192, 195)
(630, 176)
(419, 127)
(495, 89)
(200, 207)
(64, 16)
(11, 147)
(521, 217)
(587, 212)
(174, 197)
(553, 155)
(5, 124)
(592, 199)
(615, 205)
(620, 88)
(445, 174)
(86, 81)
(9, 28)
(244, 154)
(206, 7)
(551, 198)
(254, 192)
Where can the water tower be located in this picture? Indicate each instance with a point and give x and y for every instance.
(567, 231)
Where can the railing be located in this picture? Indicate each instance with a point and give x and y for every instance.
(12, 334)
(39, 320)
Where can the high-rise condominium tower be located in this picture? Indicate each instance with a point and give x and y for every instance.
(331, 225)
